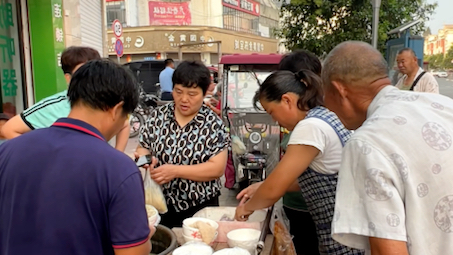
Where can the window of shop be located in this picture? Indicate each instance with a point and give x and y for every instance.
(240, 21)
(115, 10)
(11, 60)
(270, 23)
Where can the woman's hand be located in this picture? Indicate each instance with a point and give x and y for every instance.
(248, 193)
(164, 173)
(242, 214)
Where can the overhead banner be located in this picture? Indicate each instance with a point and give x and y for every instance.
(164, 13)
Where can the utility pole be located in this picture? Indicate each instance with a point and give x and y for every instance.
(376, 6)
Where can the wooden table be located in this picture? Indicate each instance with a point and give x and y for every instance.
(219, 246)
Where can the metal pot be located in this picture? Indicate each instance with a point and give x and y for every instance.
(163, 241)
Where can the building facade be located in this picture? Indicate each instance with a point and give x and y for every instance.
(156, 29)
(33, 35)
(440, 43)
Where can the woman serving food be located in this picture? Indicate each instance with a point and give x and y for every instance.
(313, 155)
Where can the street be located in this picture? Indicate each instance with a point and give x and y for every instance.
(445, 87)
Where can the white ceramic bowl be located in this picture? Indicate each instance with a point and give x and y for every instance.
(194, 248)
(187, 230)
(197, 239)
(245, 238)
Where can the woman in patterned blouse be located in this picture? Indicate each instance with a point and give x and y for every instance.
(190, 143)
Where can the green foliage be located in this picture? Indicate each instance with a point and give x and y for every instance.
(319, 25)
(447, 63)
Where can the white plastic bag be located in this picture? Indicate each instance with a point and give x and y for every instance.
(153, 194)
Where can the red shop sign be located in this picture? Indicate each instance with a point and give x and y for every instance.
(247, 6)
(164, 13)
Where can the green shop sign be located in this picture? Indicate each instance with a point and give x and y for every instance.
(8, 41)
(47, 44)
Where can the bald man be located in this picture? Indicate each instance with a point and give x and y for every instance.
(395, 192)
(414, 77)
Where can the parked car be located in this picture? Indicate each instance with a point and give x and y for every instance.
(442, 75)
(435, 73)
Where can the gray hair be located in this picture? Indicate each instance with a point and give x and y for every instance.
(353, 63)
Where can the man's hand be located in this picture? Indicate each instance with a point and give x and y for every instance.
(248, 193)
(242, 214)
(164, 174)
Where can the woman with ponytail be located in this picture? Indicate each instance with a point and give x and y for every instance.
(312, 159)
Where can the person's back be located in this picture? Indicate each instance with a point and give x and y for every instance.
(64, 190)
(70, 218)
(406, 142)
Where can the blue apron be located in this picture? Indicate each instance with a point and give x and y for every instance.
(319, 191)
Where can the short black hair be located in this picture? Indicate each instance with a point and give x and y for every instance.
(407, 50)
(168, 61)
(74, 56)
(102, 84)
(300, 59)
(192, 74)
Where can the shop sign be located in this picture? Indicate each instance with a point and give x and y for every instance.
(175, 41)
(8, 50)
(164, 13)
(247, 6)
(58, 29)
(248, 46)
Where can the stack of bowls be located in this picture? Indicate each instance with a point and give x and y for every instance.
(193, 234)
(245, 238)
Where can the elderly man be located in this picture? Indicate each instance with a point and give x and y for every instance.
(414, 77)
(394, 194)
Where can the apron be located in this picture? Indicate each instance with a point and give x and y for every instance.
(319, 190)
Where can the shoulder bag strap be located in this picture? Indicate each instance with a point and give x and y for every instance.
(416, 80)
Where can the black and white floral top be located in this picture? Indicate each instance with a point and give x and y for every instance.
(202, 138)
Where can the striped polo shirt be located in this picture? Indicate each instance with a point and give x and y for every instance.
(44, 113)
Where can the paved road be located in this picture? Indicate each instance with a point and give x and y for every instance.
(445, 86)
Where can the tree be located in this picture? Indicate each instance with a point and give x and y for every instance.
(319, 25)
(447, 63)
(438, 61)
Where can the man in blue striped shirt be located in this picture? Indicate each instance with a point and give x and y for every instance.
(44, 113)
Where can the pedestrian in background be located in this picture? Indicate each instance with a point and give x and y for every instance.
(165, 80)
(64, 189)
(414, 77)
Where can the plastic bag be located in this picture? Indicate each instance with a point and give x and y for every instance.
(283, 241)
(153, 194)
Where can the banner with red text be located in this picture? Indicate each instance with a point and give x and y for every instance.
(164, 13)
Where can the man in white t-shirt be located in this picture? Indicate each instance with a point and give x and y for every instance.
(414, 78)
(395, 192)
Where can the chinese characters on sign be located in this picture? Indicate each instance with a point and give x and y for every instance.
(58, 28)
(8, 50)
(247, 6)
(9, 82)
(192, 38)
(163, 13)
(248, 46)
